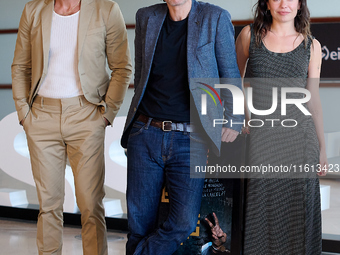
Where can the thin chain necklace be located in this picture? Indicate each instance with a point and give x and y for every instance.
(70, 11)
(286, 35)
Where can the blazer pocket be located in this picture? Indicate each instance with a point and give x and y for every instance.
(207, 59)
(206, 47)
(95, 43)
(102, 89)
(205, 53)
(96, 31)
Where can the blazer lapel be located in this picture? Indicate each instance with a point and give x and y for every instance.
(154, 25)
(86, 10)
(194, 25)
(46, 23)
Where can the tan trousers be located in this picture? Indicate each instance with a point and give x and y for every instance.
(55, 129)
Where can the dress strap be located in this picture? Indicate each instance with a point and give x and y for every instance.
(309, 44)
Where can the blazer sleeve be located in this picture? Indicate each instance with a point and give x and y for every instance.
(118, 57)
(227, 67)
(21, 67)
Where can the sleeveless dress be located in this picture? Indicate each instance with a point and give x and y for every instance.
(283, 215)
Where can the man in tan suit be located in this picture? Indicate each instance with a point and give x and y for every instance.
(65, 98)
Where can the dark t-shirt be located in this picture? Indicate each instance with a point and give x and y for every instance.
(167, 95)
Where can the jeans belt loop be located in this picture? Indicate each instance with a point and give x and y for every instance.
(148, 123)
(185, 128)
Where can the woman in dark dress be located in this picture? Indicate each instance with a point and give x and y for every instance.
(283, 214)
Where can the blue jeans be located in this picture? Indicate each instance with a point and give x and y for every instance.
(156, 157)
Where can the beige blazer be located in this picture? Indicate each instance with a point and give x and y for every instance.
(101, 36)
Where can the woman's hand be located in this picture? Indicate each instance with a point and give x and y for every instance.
(323, 163)
(246, 130)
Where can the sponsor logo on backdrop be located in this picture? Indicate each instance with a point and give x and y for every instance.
(330, 55)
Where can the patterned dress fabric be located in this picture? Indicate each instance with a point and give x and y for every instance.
(283, 215)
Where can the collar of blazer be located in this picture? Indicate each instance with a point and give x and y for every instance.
(86, 10)
(196, 8)
(154, 26)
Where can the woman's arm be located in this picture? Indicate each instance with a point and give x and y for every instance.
(242, 52)
(242, 49)
(314, 103)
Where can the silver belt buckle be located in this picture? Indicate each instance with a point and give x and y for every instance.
(163, 125)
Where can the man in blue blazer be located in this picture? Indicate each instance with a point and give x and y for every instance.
(175, 42)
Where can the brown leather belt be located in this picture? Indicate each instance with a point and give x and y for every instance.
(167, 125)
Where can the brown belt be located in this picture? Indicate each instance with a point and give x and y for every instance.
(167, 125)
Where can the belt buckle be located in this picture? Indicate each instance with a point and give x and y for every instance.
(163, 125)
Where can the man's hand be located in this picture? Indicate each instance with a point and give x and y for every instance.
(229, 135)
(106, 121)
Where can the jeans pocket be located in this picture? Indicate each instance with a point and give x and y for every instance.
(197, 137)
(137, 128)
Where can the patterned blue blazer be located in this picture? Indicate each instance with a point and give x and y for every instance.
(210, 54)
